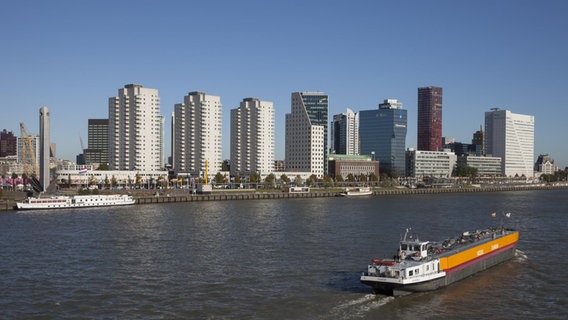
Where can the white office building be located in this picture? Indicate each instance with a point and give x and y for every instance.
(510, 136)
(435, 164)
(306, 133)
(135, 129)
(197, 125)
(252, 138)
(486, 166)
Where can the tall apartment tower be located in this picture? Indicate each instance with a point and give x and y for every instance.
(252, 137)
(383, 135)
(45, 146)
(198, 126)
(134, 129)
(511, 136)
(306, 133)
(345, 133)
(97, 142)
(429, 119)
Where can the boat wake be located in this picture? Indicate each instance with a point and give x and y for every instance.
(358, 308)
(521, 256)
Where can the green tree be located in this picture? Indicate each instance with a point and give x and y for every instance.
(298, 180)
(113, 181)
(350, 178)
(270, 181)
(327, 181)
(103, 167)
(220, 178)
(284, 178)
(312, 180)
(14, 177)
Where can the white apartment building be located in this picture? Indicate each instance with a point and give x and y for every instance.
(510, 136)
(252, 137)
(135, 129)
(197, 125)
(306, 133)
(436, 164)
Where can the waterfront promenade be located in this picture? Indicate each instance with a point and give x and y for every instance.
(181, 195)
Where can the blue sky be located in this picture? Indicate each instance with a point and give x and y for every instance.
(73, 55)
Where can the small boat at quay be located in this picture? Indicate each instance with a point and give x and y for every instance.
(60, 202)
(353, 192)
(425, 266)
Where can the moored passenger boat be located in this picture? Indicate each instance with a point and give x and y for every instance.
(59, 202)
(424, 265)
(360, 191)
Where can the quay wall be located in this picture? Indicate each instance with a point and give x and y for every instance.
(144, 198)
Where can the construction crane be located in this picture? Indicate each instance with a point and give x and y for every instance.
(29, 162)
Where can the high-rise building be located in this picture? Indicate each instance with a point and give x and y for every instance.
(510, 136)
(345, 133)
(306, 133)
(97, 148)
(429, 118)
(252, 137)
(8, 144)
(479, 142)
(197, 138)
(134, 129)
(45, 146)
(383, 135)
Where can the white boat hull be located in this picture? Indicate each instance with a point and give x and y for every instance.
(63, 202)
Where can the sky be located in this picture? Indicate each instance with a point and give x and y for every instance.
(71, 56)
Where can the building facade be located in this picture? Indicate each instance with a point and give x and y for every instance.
(252, 137)
(486, 166)
(8, 144)
(429, 119)
(545, 165)
(510, 136)
(197, 135)
(134, 129)
(306, 133)
(357, 165)
(97, 142)
(435, 164)
(345, 133)
(383, 135)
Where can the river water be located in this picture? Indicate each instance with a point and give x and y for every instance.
(274, 259)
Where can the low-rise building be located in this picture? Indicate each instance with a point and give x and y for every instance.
(343, 165)
(421, 163)
(486, 166)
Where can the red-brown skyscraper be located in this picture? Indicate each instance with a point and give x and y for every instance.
(429, 118)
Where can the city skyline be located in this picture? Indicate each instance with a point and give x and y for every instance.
(484, 56)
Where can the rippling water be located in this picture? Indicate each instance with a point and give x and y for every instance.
(274, 259)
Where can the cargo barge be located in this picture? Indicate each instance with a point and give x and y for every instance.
(425, 266)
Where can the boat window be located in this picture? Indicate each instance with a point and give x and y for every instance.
(416, 248)
(417, 271)
(410, 273)
(403, 246)
(427, 267)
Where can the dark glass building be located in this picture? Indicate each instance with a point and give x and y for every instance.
(429, 119)
(97, 151)
(382, 133)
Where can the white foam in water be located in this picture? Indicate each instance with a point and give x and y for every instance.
(358, 307)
